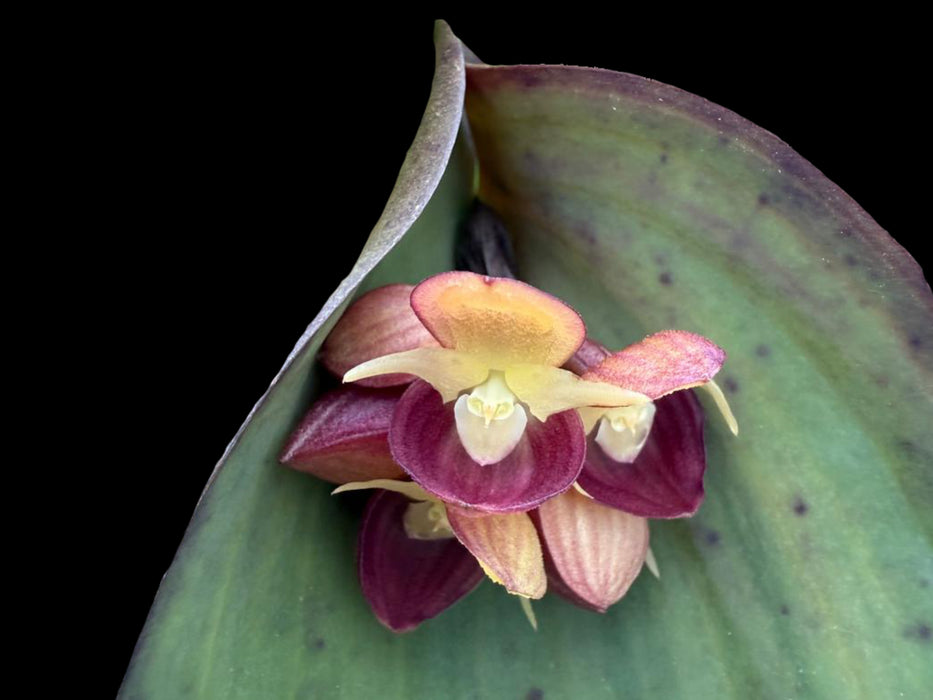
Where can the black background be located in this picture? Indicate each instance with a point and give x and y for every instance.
(256, 152)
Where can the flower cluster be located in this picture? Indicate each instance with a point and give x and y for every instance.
(502, 441)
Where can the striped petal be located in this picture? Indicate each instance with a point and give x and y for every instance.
(593, 553)
(661, 364)
(424, 440)
(666, 479)
(504, 321)
(407, 580)
(506, 546)
(380, 322)
(344, 437)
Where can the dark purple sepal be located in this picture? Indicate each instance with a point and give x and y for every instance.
(588, 355)
(408, 581)
(344, 437)
(424, 440)
(666, 480)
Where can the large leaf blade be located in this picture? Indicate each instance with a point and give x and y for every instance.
(262, 599)
(213, 630)
(648, 208)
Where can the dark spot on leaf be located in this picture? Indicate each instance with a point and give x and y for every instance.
(924, 583)
(586, 234)
(785, 610)
(665, 278)
(763, 200)
(660, 259)
(762, 350)
(851, 260)
(534, 694)
(712, 537)
(920, 632)
(883, 382)
(731, 385)
(318, 644)
(915, 341)
(800, 506)
(723, 140)
(663, 158)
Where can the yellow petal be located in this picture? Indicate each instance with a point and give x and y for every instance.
(529, 612)
(507, 547)
(500, 320)
(448, 371)
(590, 416)
(548, 390)
(723, 405)
(407, 488)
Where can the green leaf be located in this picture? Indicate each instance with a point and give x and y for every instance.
(808, 570)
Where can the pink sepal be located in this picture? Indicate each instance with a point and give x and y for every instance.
(344, 437)
(661, 364)
(380, 322)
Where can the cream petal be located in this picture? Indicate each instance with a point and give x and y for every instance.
(549, 390)
(448, 371)
(407, 488)
(624, 444)
(723, 405)
(492, 442)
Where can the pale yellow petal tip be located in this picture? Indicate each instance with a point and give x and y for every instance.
(579, 488)
(652, 564)
(723, 405)
(406, 488)
(529, 612)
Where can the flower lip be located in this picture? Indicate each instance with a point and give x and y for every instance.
(666, 479)
(423, 438)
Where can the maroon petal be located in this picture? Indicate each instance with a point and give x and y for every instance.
(425, 442)
(380, 322)
(666, 479)
(408, 581)
(344, 437)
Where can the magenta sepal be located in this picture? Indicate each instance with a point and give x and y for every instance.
(666, 479)
(405, 580)
(344, 437)
(424, 440)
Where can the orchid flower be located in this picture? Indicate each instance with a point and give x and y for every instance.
(344, 439)
(472, 336)
(490, 424)
(649, 460)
